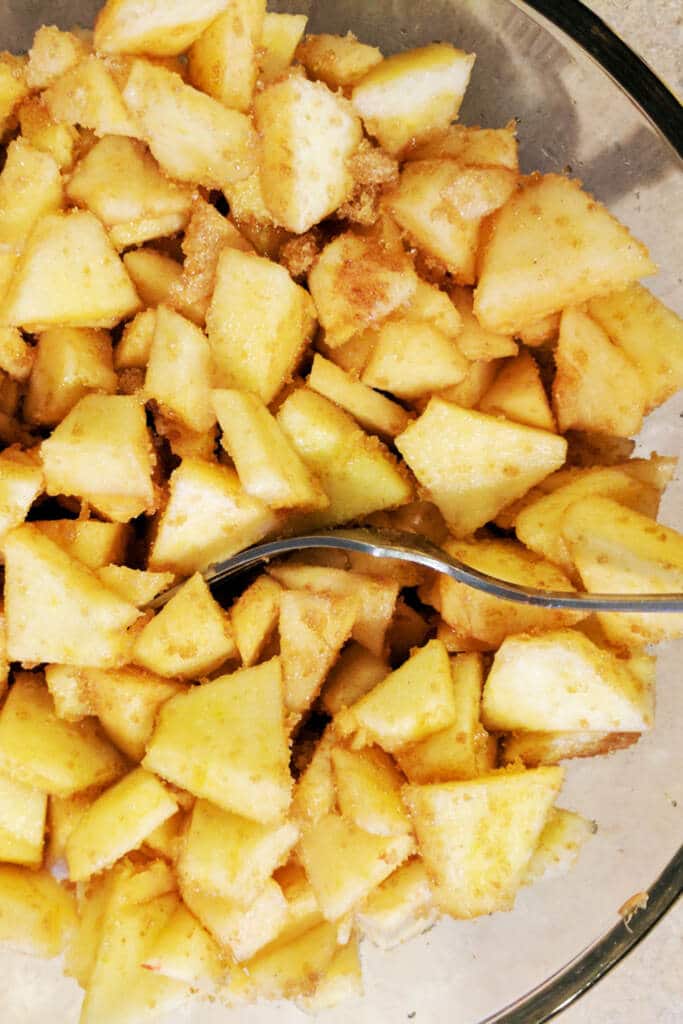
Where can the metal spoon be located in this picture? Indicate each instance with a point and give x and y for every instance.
(411, 547)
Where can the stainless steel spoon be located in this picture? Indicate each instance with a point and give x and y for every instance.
(410, 547)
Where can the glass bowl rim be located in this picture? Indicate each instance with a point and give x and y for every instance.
(665, 114)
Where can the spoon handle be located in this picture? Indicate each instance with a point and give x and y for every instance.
(409, 547)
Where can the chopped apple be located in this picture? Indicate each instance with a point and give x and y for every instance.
(208, 517)
(57, 609)
(54, 284)
(206, 742)
(413, 702)
(308, 135)
(230, 856)
(559, 681)
(472, 464)
(116, 823)
(47, 753)
(259, 323)
(410, 95)
(552, 246)
(477, 838)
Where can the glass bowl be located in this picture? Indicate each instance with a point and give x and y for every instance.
(602, 115)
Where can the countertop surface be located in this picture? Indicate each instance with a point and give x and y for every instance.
(647, 987)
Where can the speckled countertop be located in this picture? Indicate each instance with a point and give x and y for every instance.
(647, 988)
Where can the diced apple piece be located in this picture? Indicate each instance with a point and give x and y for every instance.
(477, 838)
(52, 53)
(44, 752)
(541, 331)
(341, 980)
(412, 358)
(470, 391)
(208, 518)
(369, 791)
(120, 182)
(480, 147)
(413, 702)
(54, 283)
(20, 485)
(30, 188)
(23, 812)
(240, 932)
(52, 137)
(552, 246)
(127, 702)
(102, 452)
(308, 134)
(219, 149)
(130, 928)
(16, 355)
(226, 741)
(535, 748)
(410, 95)
(373, 411)
(618, 551)
(116, 823)
(267, 464)
(179, 368)
(222, 62)
(136, 341)
(358, 281)
(259, 323)
(484, 621)
(89, 541)
(13, 88)
(105, 895)
(154, 27)
(135, 585)
(649, 333)
(70, 363)
(472, 464)
(518, 394)
(539, 524)
(166, 840)
(338, 61)
(344, 863)
(454, 752)
(58, 610)
(375, 597)
(560, 681)
(36, 914)
(313, 629)
(314, 793)
(585, 359)
(357, 473)
(280, 36)
(400, 908)
(63, 815)
(189, 638)
(69, 692)
(207, 233)
(289, 970)
(254, 617)
(185, 951)
(441, 205)
(355, 673)
(230, 856)
(559, 845)
(87, 95)
(303, 912)
(474, 341)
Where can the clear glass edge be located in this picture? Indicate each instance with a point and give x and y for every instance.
(664, 112)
